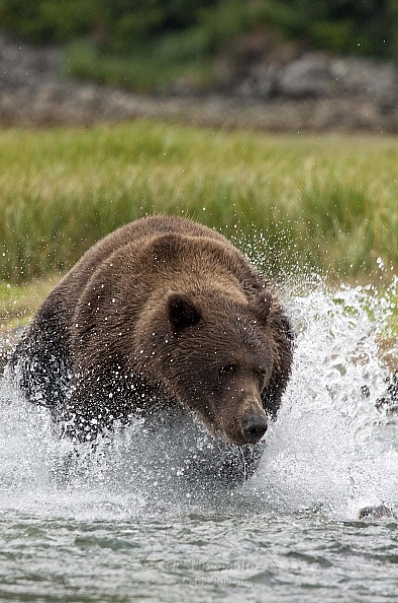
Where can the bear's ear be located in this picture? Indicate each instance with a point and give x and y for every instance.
(182, 311)
(262, 305)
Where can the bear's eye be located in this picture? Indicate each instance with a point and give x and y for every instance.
(260, 373)
(228, 369)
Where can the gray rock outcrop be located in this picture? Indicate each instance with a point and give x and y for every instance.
(311, 92)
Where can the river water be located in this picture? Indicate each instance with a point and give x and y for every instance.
(126, 526)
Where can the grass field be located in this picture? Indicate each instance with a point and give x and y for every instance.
(327, 203)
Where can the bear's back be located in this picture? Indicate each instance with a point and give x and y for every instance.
(133, 233)
(143, 228)
(73, 284)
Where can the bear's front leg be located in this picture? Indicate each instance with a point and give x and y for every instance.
(96, 401)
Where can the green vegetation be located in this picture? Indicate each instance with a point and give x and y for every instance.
(145, 44)
(294, 203)
(327, 203)
(19, 302)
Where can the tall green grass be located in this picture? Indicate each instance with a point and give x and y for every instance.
(327, 202)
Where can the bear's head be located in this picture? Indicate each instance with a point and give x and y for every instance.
(225, 357)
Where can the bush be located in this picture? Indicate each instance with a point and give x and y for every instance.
(141, 43)
(363, 26)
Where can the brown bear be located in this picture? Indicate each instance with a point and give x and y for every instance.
(162, 313)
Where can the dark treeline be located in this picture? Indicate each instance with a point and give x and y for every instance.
(191, 32)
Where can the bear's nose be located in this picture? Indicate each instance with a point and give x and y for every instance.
(254, 427)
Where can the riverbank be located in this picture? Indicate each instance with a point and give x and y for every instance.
(304, 93)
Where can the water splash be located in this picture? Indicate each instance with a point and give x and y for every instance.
(330, 451)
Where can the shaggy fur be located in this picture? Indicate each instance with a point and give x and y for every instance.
(162, 312)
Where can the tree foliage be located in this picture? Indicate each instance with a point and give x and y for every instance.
(138, 42)
(361, 26)
(367, 27)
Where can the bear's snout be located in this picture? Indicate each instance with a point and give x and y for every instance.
(243, 420)
(254, 427)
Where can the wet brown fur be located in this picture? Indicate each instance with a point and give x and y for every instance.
(163, 311)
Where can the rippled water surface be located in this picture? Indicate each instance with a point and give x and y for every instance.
(126, 526)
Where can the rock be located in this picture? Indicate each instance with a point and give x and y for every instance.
(27, 66)
(377, 512)
(309, 76)
(389, 402)
(291, 93)
(261, 82)
(364, 77)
